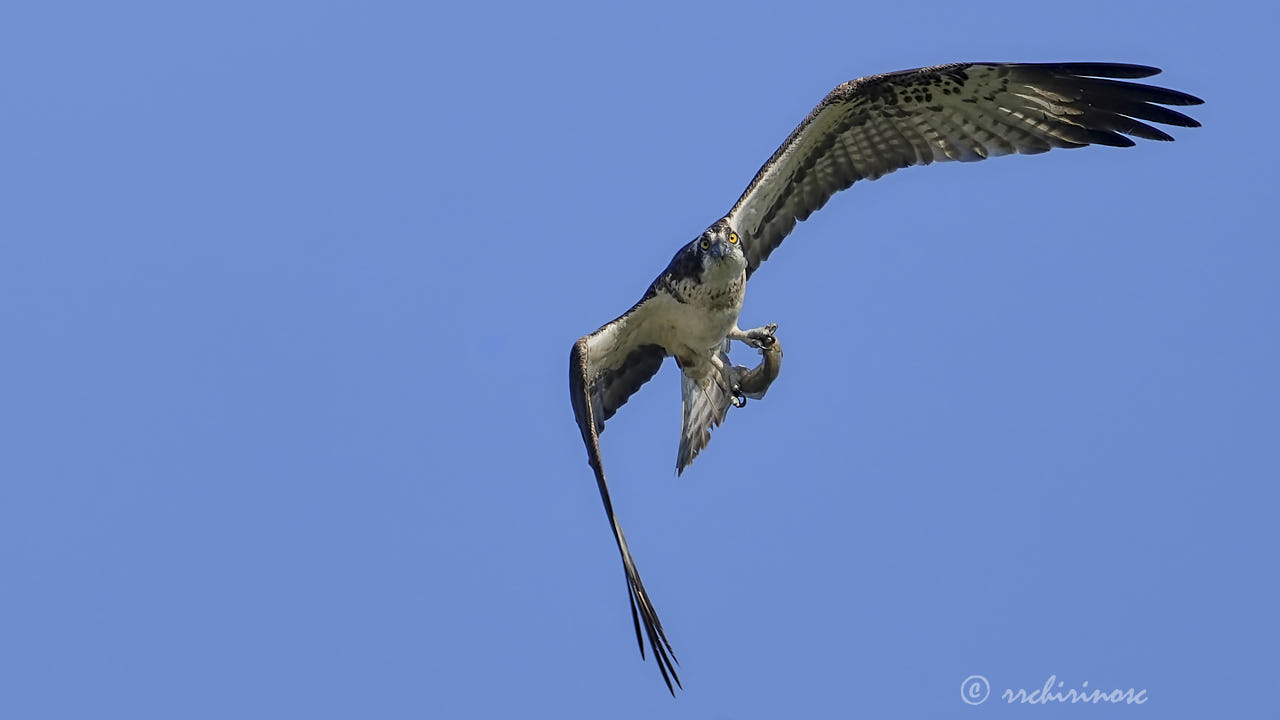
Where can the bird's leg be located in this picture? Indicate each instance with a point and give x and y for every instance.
(754, 383)
(759, 338)
(730, 377)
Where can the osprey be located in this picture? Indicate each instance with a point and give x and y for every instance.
(863, 129)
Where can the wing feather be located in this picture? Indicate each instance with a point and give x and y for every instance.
(605, 369)
(869, 127)
(705, 405)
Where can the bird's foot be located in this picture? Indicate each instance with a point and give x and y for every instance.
(760, 338)
(755, 382)
(737, 398)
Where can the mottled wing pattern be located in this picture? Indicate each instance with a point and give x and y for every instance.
(868, 127)
(605, 368)
(705, 406)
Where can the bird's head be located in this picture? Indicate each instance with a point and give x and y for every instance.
(720, 249)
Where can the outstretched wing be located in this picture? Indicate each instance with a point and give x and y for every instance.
(872, 126)
(605, 368)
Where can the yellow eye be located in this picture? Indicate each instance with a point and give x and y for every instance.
(733, 238)
(705, 244)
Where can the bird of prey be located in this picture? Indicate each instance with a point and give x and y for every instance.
(861, 130)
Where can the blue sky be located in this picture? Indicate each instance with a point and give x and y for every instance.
(289, 290)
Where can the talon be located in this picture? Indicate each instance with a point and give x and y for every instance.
(738, 399)
(762, 337)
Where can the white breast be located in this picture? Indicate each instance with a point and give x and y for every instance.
(689, 330)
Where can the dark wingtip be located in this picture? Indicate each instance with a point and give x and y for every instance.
(1108, 70)
(670, 688)
(1177, 97)
(1107, 137)
(635, 618)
